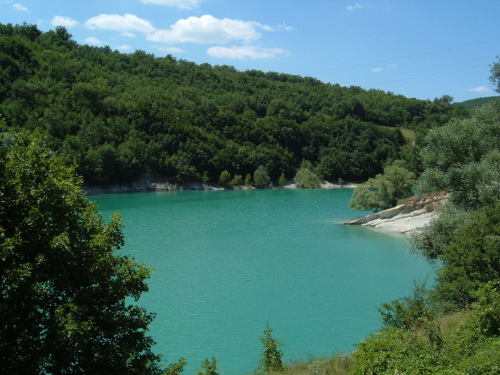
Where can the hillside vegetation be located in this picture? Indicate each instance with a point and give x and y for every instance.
(478, 102)
(119, 115)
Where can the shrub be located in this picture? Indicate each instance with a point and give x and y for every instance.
(271, 358)
(307, 179)
(209, 368)
(237, 180)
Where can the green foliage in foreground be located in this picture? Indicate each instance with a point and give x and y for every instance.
(471, 349)
(271, 357)
(65, 294)
(408, 312)
(471, 258)
(384, 191)
(209, 367)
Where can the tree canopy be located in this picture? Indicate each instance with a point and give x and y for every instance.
(65, 294)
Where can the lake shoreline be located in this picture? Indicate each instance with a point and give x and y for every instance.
(154, 183)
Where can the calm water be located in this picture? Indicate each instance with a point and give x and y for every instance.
(229, 261)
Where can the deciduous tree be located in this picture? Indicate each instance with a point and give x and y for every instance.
(66, 296)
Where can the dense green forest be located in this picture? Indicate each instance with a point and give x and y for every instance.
(120, 115)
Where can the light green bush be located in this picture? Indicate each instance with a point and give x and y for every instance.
(306, 178)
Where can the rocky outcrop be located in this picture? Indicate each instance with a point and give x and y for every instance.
(405, 218)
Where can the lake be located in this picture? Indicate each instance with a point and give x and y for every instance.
(227, 262)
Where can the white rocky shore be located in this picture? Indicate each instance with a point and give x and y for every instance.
(404, 218)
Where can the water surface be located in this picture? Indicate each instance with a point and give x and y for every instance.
(226, 262)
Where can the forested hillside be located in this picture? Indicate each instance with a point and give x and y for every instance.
(479, 102)
(120, 115)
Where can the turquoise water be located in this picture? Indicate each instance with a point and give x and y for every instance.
(229, 261)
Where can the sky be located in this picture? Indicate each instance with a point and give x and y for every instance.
(417, 48)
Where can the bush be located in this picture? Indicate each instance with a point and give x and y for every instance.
(306, 178)
(408, 312)
(384, 191)
(237, 180)
(209, 368)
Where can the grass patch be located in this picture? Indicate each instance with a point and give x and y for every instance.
(407, 133)
(449, 323)
(339, 364)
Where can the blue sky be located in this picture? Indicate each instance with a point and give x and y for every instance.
(417, 48)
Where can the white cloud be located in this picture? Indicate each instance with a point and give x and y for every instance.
(285, 27)
(183, 4)
(376, 70)
(93, 41)
(357, 6)
(244, 52)
(19, 7)
(128, 34)
(124, 48)
(116, 22)
(478, 89)
(63, 21)
(393, 66)
(208, 29)
(171, 49)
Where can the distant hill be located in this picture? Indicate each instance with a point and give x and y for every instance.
(479, 102)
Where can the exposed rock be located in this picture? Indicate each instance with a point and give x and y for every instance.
(413, 215)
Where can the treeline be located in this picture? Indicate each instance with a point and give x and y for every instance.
(120, 115)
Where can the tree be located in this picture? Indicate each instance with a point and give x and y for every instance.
(282, 180)
(225, 179)
(237, 180)
(495, 75)
(209, 368)
(261, 178)
(307, 178)
(463, 157)
(248, 180)
(471, 258)
(65, 292)
(271, 358)
(384, 191)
